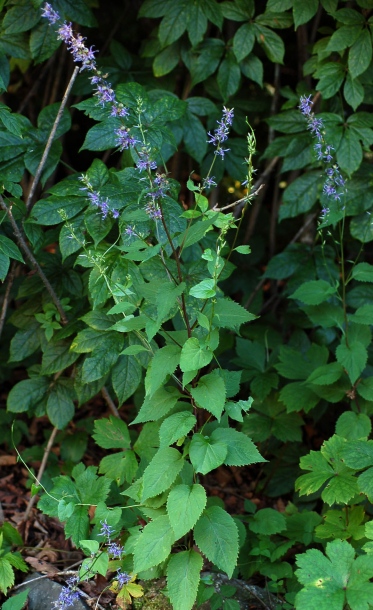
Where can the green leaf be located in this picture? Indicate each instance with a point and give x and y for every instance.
(216, 536)
(77, 525)
(161, 472)
(27, 394)
(45, 211)
(119, 467)
(353, 426)
(193, 356)
(126, 375)
(240, 10)
(176, 426)
(60, 405)
(365, 388)
(163, 363)
(243, 41)
(210, 394)
(343, 38)
(166, 60)
(360, 54)
(229, 314)
(183, 576)
(4, 266)
(331, 77)
(363, 272)
(185, 504)
(9, 248)
(57, 357)
(174, 24)
(361, 228)
(300, 195)
(336, 580)
(16, 602)
(267, 521)
(43, 41)
(326, 374)
(204, 290)
(349, 153)
(358, 454)
(156, 407)
(206, 454)
(353, 357)
(314, 292)
(102, 136)
(271, 42)
(111, 433)
(304, 11)
(252, 68)
(154, 544)
(25, 342)
(353, 91)
(241, 451)
(229, 76)
(6, 575)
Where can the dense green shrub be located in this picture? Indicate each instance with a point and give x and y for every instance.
(232, 308)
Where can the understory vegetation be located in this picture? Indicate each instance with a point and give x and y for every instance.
(187, 295)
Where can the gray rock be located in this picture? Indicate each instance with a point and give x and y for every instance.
(43, 592)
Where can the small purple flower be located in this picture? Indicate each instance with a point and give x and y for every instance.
(129, 231)
(153, 211)
(50, 14)
(208, 183)
(66, 598)
(115, 550)
(105, 94)
(123, 578)
(305, 105)
(221, 133)
(124, 140)
(323, 152)
(106, 530)
(65, 32)
(144, 162)
(119, 110)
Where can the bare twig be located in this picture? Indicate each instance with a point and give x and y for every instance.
(240, 202)
(9, 284)
(268, 170)
(50, 140)
(110, 403)
(43, 464)
(23, 245)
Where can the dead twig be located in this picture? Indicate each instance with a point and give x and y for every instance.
(23, 245)
(43, 464)
(109, 401)
(48, 145)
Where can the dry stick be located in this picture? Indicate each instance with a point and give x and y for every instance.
(9, 284)
(50, 140)
(110, 403)
(268, 170)
(43, 464)
(23, 245)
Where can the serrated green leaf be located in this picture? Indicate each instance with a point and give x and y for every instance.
(176, 426)
(360, 54)
(111, 433)
(300, 195)
(163, 363)
(154, 544)
(243, 41)
(193, 356)
(304, 11)
(119, 467)
(210, 394)
(252, 68)
(241, 451)
(206, 454)
(156, 407)
(271, 42)
(229, 76)
(126, 375)
(6, 575)
(229, 314)
(326, 374)
(183, 576)
(314, 292)
(363, 272)
(358, 454)
(267, 521)
(161, 472)
(185, 504)
(60, 405)
(77, 525)
(27, 394)
(353, 426)
(353, 357)
(216, 536)
(335, 580)
(16, 602)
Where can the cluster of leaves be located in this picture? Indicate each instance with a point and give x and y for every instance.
(157, 309)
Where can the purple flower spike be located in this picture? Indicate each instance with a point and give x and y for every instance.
(123, 578)
(50, 14)
(220, 134)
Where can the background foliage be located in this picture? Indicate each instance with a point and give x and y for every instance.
(289, 325)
